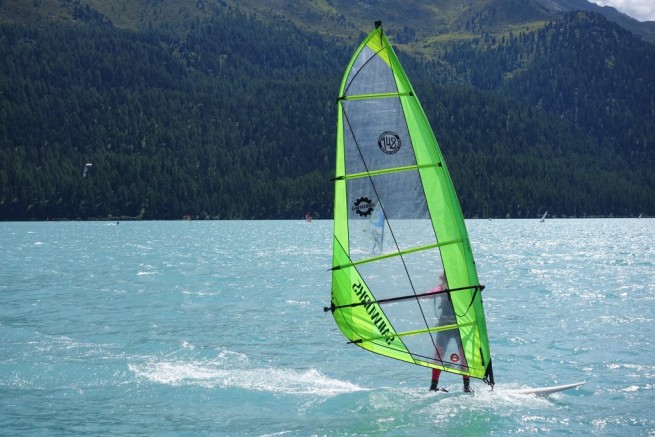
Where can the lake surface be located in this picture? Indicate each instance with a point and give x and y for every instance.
(217, 328)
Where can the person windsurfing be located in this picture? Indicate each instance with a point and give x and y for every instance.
(376, 228)
(446, 316)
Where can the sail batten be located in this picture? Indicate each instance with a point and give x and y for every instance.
(394, 254)
(429, 294)
(417, 332)
(387, 170)
(398, 225)
(374, 96)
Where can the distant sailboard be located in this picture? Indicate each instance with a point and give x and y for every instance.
(87, 168)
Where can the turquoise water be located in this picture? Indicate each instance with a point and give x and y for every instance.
(217, 328)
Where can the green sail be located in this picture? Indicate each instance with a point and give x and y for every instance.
(398, 225)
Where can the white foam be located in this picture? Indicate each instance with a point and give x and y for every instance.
(503, 400)
(298, 302)
(215, 373)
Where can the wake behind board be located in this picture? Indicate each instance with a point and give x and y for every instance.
(545, 391)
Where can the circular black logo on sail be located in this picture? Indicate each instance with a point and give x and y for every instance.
(363, 207)
(389, 142)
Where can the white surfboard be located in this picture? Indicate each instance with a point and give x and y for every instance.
(545, 391)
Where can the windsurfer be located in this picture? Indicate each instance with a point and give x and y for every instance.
(376, 228)
(446, 317)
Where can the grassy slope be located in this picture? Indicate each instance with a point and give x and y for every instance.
(431, 23)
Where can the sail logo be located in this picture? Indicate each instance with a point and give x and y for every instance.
(373, 311)
(389, 142)
(363, 207)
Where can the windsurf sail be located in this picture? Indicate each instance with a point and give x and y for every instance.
(398, 225)
(543, 218)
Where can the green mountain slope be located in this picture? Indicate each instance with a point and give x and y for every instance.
(418, 25)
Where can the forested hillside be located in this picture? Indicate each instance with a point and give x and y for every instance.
(227, 124)
(236, 120)
(600, 80)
